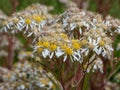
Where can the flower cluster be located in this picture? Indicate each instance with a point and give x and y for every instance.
(77, 40)
(31, 20)
(59, 45)
(79, 20)
(78, 35)
(26, 76)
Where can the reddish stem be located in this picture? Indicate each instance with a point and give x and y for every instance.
(9, 59)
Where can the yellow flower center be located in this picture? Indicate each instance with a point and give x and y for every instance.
(76, 46)
(46, 44)
(102, 43)
(64, 36)
(37, 18)
(28, 21)
(44, 81)
(39, 43)
(40, 49)
(53, 47)
(16, 20)
(63, 46)
(84, 42)
(68, 51)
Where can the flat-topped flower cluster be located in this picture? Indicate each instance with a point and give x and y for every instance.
(31, 20)
(75, 43)
(75, 35)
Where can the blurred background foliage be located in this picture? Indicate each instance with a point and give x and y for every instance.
(9, 6)
(111, 7)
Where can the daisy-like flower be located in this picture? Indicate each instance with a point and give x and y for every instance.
(39, 21)
(28, 21)
(7, 26)
(67, 52)
(53, 48)
(27, 24)
(103, 48)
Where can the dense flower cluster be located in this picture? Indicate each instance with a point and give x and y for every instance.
(30, 21)
(26, 76)
(75, 19)
(76, 35)
(79, 40)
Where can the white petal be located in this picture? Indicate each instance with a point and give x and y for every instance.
(95, 67)
(83, 50)
(45, 53)
(99, 50)
(98, 39)
(90, 40)
(95, 42)
(80, 30)
(58, 53)
(29, 34)
(51, 55)
(27, 26)
(43, 23)
(18, 27)
(5, 29)
(72, 26)
(75, 58)
(34, 39)
(86, 53)
(8, 26)
(65, 57)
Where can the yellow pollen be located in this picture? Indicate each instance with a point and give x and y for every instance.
(28, 53)
(53, 47)
(44, 81)
(28, 21)
(84, 42)
(16, 20)
(74, 41)
(76, 46)
(64, 36)
(40, 49)
(46, 44)
(68, 51)
(39, 43)
(101, 43)
(37, 18)
(64, 46)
